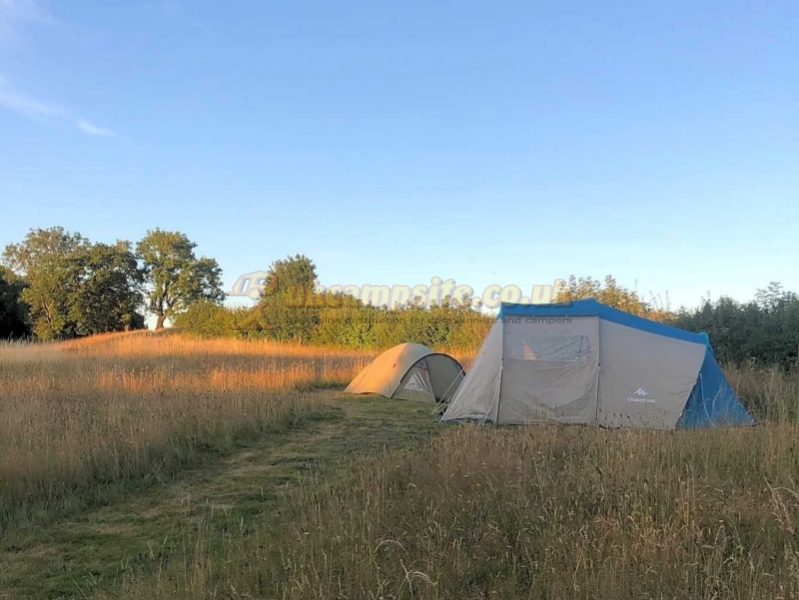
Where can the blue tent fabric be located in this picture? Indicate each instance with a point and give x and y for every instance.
(712, 402)
(590, 308)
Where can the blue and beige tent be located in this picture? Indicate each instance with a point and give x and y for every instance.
(584, 362)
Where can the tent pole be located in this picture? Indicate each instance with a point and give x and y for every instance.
(598, 369)
(501, 367)
(462, 374)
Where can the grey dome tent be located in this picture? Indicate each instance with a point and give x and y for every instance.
(410, 372)
(584, 362)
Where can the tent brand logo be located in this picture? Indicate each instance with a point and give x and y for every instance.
(641, 395)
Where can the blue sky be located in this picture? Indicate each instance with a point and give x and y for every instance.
(489, 142)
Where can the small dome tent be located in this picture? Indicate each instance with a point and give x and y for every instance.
(410, 372)
(584, 362)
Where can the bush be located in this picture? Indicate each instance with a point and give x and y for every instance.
(207, 319)
(764, 331)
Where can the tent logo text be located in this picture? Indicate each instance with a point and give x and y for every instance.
(641, 395)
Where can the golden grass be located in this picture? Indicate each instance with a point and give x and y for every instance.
(479, 512)
(526, 513)
(544, 512)
(540, 512)
(79, 415)
(149, 343)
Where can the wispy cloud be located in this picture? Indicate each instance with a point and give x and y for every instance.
(30, 107)
(17, 14)
(87, 127)
(25, 10)
(24, 104)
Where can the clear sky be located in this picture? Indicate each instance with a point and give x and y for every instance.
(508, 142)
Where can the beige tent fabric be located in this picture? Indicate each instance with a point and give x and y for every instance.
(530, 372)
(578, 369)
(645, 378)
(409, 372)
(477, 397)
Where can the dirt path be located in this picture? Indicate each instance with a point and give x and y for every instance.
(92, 551)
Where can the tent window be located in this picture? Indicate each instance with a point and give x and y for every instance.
(552, 349)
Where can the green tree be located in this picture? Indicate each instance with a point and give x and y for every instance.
(764, 331)
(612, 294)
(44, 259)
(289, 308)
(298, 271)
(13, 311)
(209, 320)
(108, 292)
(175, 277)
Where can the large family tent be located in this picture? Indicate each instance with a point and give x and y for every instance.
(584, 362)
(410, 372)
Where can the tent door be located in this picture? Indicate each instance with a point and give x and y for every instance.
(416, 384)
(549, 370)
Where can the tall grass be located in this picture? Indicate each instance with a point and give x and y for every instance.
(478, 512)
(549, 512)
(538, 512)
(771, 394)
(77, 416)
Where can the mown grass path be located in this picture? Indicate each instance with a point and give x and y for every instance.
(93, 551)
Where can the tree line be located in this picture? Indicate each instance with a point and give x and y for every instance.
(57, 285)
(290, 310)
(764, 331)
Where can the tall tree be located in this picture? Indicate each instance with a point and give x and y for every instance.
(288, 309)
(44, 259)
(298, 271)
(176, 278)
(13, 311)
(109, 289)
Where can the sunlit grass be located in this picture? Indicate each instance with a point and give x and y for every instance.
(537, 512)
(79, 415)
(476, 512)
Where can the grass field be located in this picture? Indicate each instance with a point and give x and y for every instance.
(162, 467)
(78, 416)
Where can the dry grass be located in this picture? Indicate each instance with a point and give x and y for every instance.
(77, 416)
(532, 512)
(475, 513)
(771, 395)
(545, 512)
(484, 513)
